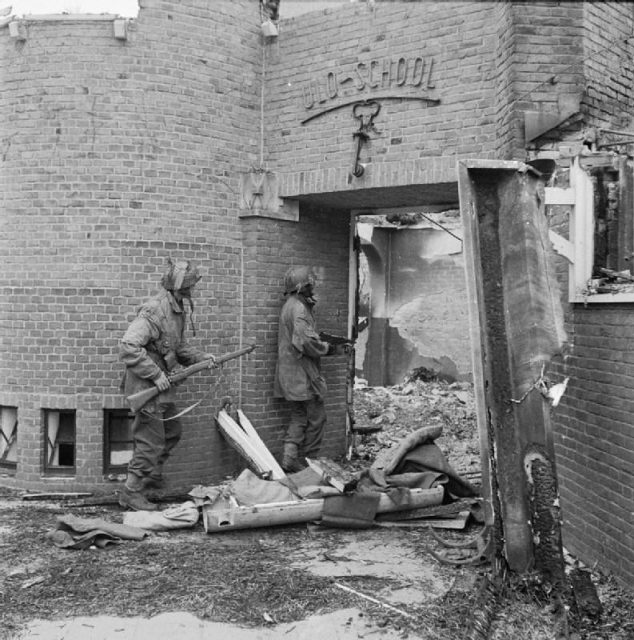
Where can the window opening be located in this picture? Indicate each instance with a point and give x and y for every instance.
(8, 437)
(600, 243)
(613, 223)
(118, 443)
(60, 440)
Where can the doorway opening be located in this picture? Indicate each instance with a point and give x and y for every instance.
(409, 314)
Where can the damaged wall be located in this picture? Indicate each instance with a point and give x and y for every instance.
(594, 437)
(417, 303)
(117, 153)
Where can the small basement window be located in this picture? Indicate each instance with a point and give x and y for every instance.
(59, 445)
(118, 444)
(8, 437)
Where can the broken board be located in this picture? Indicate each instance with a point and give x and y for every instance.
(457, 522)
(243, 437)
(436, 511)
(333, 474)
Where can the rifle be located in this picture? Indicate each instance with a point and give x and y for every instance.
(139, 399)
(324, 336)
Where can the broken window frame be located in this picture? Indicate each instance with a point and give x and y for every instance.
(112, 418)
(579, 248)
(8, 437)
(60, 440)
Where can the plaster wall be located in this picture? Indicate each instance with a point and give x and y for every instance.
(417, 305)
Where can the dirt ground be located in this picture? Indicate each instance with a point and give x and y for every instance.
(277, 577)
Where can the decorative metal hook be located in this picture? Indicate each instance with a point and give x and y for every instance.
(364, 112)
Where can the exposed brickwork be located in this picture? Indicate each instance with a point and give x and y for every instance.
(416, 142)
(271, 247)
(547, 64)
(116, 154)
(595, 438)
(608, 46)
(594, 435)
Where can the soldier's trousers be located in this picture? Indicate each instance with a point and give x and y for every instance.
(306, 425)
(154, 440)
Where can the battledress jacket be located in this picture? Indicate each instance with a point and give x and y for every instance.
(299, 349)
(154, 342)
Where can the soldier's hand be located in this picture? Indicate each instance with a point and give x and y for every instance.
(211, 364)
(162, 382)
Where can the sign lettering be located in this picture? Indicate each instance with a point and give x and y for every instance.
(364, 77)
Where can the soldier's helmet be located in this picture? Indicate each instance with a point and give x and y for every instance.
(180, 275)
(298, 277)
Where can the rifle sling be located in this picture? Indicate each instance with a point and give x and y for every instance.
(178, 415)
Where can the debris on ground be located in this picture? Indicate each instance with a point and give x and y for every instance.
(247, 577)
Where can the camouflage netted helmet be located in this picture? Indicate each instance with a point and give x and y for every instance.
(180, 275)
(298, 277)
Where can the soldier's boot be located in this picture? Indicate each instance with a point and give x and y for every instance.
(290, 459)
(131, 496)
(154, 487)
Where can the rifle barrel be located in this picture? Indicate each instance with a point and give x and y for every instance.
(139, 399)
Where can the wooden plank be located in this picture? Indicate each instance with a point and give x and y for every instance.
(56, 496)
(559, 196)
(562, 246)
(459, 522)
(113, 498)
(581, 233)
(226, 517)
(277, 473)
(440, 510)
(335, 475)
(238, 439)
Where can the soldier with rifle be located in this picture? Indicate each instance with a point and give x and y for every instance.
(298, 376)
(153, 345)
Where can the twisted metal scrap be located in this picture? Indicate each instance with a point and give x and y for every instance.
(482, 543)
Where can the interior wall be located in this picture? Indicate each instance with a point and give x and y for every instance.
(416, 305)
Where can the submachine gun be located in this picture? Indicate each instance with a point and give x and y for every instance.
(330, 338)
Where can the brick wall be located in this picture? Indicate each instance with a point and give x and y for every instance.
(607, 44)
(320, 239)
(594, 434)
(324, 59)
(595, 438)
(504, 69)
(546, 48)
(116, 155)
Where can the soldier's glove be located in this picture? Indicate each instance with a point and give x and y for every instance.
(211, 361)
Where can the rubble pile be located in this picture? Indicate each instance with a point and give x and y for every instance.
(384, 416)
